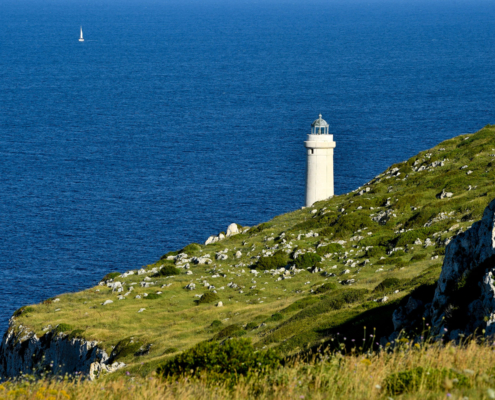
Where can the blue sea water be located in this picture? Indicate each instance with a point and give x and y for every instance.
(175, 118)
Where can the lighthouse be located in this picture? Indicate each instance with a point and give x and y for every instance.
(319, 172)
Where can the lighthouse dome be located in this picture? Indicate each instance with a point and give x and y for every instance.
(319, 126)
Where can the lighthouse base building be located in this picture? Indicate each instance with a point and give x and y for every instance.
(319, 172)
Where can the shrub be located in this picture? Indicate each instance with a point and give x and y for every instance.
(221, 361)
(392, 261)
(405, 202)
(326, 287)
(387, 283)
(23, 310)
(171, 350)
(170, 253)
(376, 251)
(167, 270)
(191, 248)
(348, 224)
(216, 324)
(328, 231)
(333, 301)
(427, 378)
(278, 260)
(152, 296)
(76, 334)
(439, 252)
(300, 304)
(251, 325)
(331, 248)
(124, 348)
(378, 239)
(208, 297)
(312, 223)
(111, 275)
(259, 228)
(307, 260)
(62, 328)
(420, 218)
(228, 331)
(275, 318)
(418, 257)
(410, 236)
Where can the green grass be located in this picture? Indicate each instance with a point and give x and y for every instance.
(314, 307)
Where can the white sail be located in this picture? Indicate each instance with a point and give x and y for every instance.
(81, 39)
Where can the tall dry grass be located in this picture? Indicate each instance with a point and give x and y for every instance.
(333, 377)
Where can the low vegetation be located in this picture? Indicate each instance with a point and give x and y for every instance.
(301, 282)
(409, 371)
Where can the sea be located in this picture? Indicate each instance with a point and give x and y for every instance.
(175, 118)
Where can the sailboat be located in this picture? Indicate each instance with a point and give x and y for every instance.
(81, 39)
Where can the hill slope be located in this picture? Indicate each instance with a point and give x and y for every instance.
(350, 260)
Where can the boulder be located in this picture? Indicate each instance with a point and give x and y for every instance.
(219, 304)
(106, 302)
(232, 230)
(444, 195)
(201, 260)
(114, 285)
(211, 239)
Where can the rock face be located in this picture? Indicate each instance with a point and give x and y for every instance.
(22, 351)
(464, 298)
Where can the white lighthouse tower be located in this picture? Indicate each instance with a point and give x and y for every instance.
(319, 177)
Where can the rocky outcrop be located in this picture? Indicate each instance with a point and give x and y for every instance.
(22, 352)
(232, 229)
(464, 297)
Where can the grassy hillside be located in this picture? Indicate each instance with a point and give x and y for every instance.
(353, 258)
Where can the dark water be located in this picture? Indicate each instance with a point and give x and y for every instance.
(175, 118)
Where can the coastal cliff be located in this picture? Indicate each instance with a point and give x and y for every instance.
(23, 353)
(313, 277)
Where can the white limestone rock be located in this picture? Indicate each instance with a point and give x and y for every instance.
(107, 302)
(444, 195)
(232, 230)
(211, 239)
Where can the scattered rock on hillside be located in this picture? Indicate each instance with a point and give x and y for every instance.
(444, 195)
(382, 217)
(232, 230)
(211, 239)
